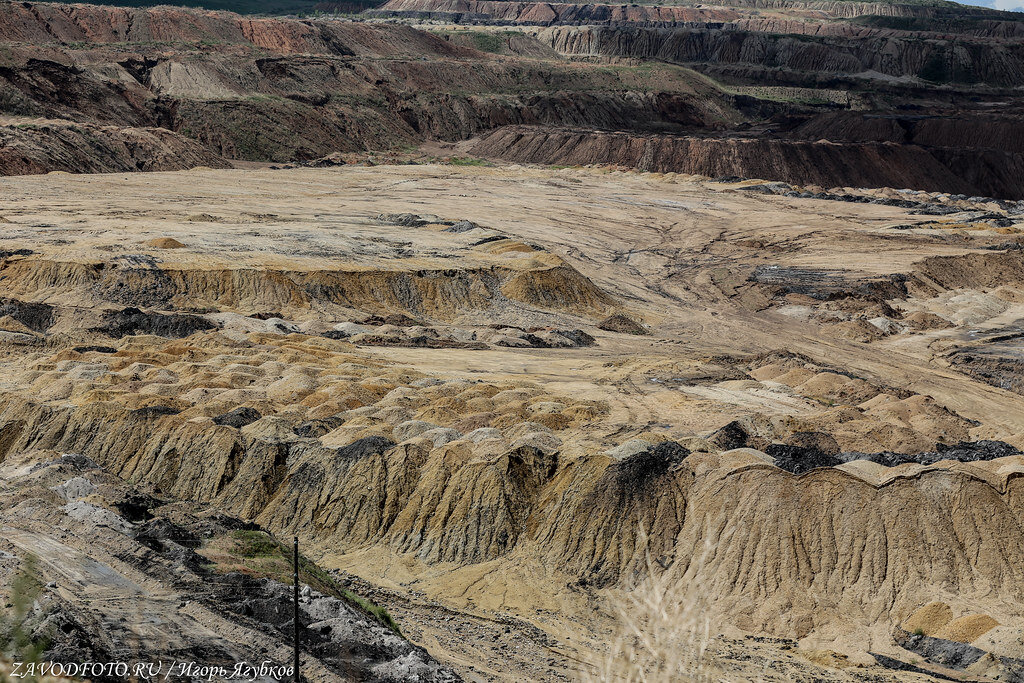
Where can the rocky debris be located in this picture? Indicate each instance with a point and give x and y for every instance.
(405, 220)
(396, 319)
(850, 307)
(154, 411)
(407, 333)
(817, 284)
(75, 488)
(238, 418)
(173, 543)
(777, 188)
(634, 471)
(420, 342)
(816, 441)
(317, 428)
(922, 321)
(963, 211)
(348, 641)
(538, 339)
(132, 321)
(999, 365)
(150, 572)
(364, 448)
(92, 348)
(800, 459)
(74, 461)
(346, 330)
(136, 506)
(961, 656)
(622, 323)
(459, 227)
(260, 323)
(98, 516)
(37, 317)
(731, 436)
(164, 243)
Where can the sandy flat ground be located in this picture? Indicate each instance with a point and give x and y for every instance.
(648, 239)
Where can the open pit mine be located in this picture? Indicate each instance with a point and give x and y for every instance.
(572, 342)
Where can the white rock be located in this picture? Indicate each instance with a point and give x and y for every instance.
(441, 436)
(93, 514)
(350, 328)
(628, 449)
(410, 428)
(75, 488)
(484, 434)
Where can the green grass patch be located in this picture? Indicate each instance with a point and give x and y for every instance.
(255, 544)
(259, 554)
(17, 641)
(467, 161)
(487, 42)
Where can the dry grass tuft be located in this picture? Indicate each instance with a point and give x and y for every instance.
(663, 634)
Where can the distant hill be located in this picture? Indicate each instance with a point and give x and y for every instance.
(270, 7)
(310, 7)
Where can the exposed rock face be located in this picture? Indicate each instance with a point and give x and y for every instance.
(544, 14)
(982, 61)
(43, 23)
(537, 13)
(933, 131)
(335, 632)
(348, 86)
(372, 491)
(77, 148)
(440, 293)
(147, 569)
(353, 86)
(817, 163)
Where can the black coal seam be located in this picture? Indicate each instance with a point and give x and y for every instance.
(798, 459)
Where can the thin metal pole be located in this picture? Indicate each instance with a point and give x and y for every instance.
(296, 605)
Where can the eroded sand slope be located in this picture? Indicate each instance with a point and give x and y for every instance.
(427, 374)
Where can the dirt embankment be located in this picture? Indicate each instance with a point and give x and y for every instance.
(144, 92)
(920, 28)
(813, 163)
(354, 87)
(958, 130)
(1000, 64)
(547, 14)
(844, 10)
(469, 503)
(43, 23)
(83, 148)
